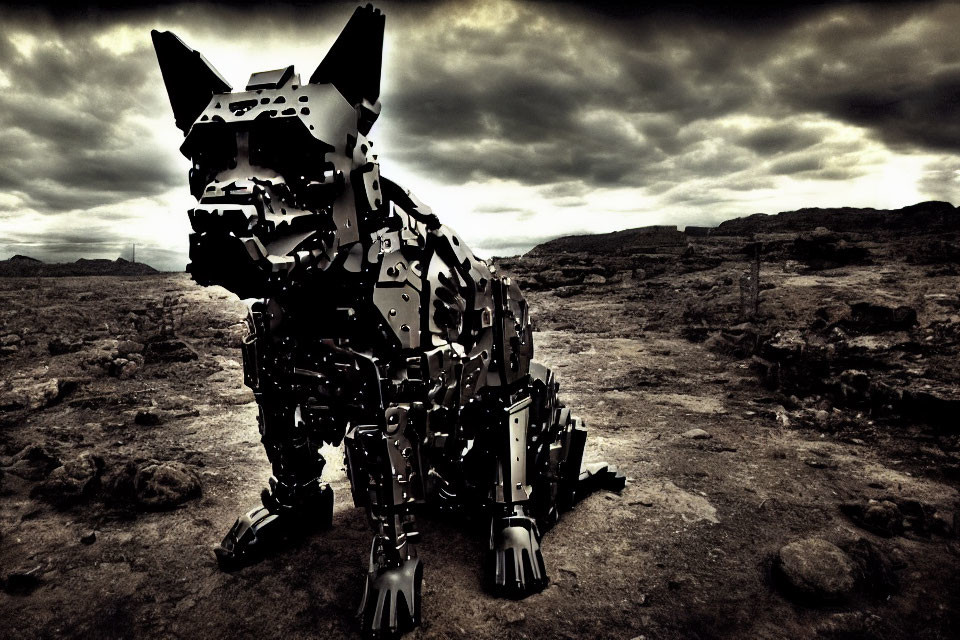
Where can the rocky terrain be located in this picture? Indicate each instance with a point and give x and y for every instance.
(781, 392)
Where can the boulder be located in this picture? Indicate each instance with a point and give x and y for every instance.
(29, 393)
(33, 462)
(127, 347)
(62, 344)
(815, 569)
(784, 346)
(883, 517)
(164, 485)
(22, 581)
(72, 482)
(10, 340)
(147, 418)
(867, 317)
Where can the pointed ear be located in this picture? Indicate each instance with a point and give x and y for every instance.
(353, 63)
(190, 79)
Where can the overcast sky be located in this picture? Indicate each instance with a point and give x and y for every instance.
(516, 121)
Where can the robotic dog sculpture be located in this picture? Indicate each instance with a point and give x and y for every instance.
(374, 325)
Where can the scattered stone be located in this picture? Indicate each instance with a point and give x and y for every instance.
(170, 350)
(230, 377)
(943, 524)
(781, 416)
(855, 384)
(824, 249)
(513, 615)
(867, 317)
(816, 569)
(10, 339)
(125, 369)
(883, 518)
(89, 538)
(147, 418)
(72, 482)
(29, 393)
(917, 516)
(21, 582)
(696, 434)
(127, 347)
(569, 292)
(784, 346)
(163, 485)
(61, 345)
(33, 462)
(117, 365)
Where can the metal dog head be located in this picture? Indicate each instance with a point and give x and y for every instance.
(280, 169)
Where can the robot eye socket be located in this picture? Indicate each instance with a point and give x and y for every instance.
(286, 146)
(214, 148)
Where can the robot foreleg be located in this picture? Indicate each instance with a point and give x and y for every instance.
(385, 472)
(297, 501)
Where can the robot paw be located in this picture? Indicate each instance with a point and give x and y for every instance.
(263, 529)
(247, 539)
(515, 564)
(309, 510)
(391, 601)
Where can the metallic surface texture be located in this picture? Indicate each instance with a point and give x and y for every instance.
(371, 324)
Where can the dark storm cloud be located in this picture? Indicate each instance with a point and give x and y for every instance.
(551, 102)
(779, 137)
(566, 101)
(682, 100)
(546, 98)
(73, 134)
(894, 72)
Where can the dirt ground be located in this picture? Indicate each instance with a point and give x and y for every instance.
(687, 550)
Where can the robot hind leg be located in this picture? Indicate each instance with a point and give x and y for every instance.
(540, 474)
(562, 478)
(515, 566)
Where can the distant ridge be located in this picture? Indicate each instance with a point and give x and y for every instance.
(629, 240)
(923, 218)
(25, 267)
